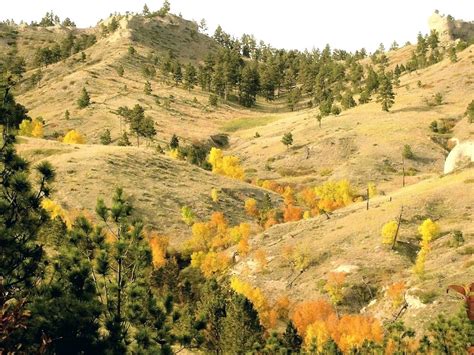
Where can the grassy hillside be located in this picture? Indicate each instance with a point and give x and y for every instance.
(174, 110)
(350, 241)
(159, 186)
(364, 143)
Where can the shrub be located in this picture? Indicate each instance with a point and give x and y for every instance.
(84, 100)
(105, 137)
(388, 232)
(74, 137)
(407, 152)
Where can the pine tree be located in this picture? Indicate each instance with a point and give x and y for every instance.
(386, 96)
(190, 77)
(146, 10)
(147, 88)
(21, 217)
(249, 85)
(84, 100)
(105, 137)
(241, 329)
(174, 142)
(287, 139)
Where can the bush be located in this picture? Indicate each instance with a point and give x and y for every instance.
(335, 110)
(84, 100)
(74, 137)
(105, 137)
(407, 152)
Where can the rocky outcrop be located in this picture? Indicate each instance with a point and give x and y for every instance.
(450, 29)
(462, 153)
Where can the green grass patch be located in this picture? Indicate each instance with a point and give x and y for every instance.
(248, 122)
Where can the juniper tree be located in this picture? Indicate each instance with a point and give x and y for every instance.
(84, 100)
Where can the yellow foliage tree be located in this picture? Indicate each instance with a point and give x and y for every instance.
(210, 263)
(428, 230)
(255, 295)
(158, 245)
(225, 165)
(37, 130)
(335, 286)
(29, 128)
(389, 230)
(243, 247)
(215, 195)
(74, 137)
(251, 207)
(354, 330)
(307, 215)
(55, 210)
(372, 189)
(317, 334)
(187, 215)
(334, 195)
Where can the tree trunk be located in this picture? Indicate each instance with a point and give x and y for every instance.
(398, 228)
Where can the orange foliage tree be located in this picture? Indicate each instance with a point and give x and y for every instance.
(158, 245)
(292, 213)
(308, 312)
(251, 207)
(395, 292)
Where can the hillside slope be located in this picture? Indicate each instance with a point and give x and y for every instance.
(174, 109)
(350, 241)
(159, 186)
(364, 143)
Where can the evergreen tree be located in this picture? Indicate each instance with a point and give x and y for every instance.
(147, 88)
(294, 97)
(146, 10)
(291, 340)
(124, 141)
(84, 100)
(174, 142)
(241, 329)
(67, 115)
(165, 9)
(105, 137)
(287, 139)
(190, 77)
(249, 85)
(177, 73)
(386, 96)
(123, 267)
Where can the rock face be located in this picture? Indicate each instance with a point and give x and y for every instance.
(450, 29)
(462, 153)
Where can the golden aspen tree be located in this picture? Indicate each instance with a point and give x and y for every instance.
(389, 230)
(250, 207)
(428, 230)
(74, 137)
(335, 286)
(215, 195)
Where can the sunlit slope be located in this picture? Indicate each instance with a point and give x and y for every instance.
(159, 186)
(364, 143)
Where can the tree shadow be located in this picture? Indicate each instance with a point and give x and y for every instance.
(407, 249)
(413, 109)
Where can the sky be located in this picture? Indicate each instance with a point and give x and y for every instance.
(296, 24)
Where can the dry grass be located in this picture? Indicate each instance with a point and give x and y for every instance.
(158, 186)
